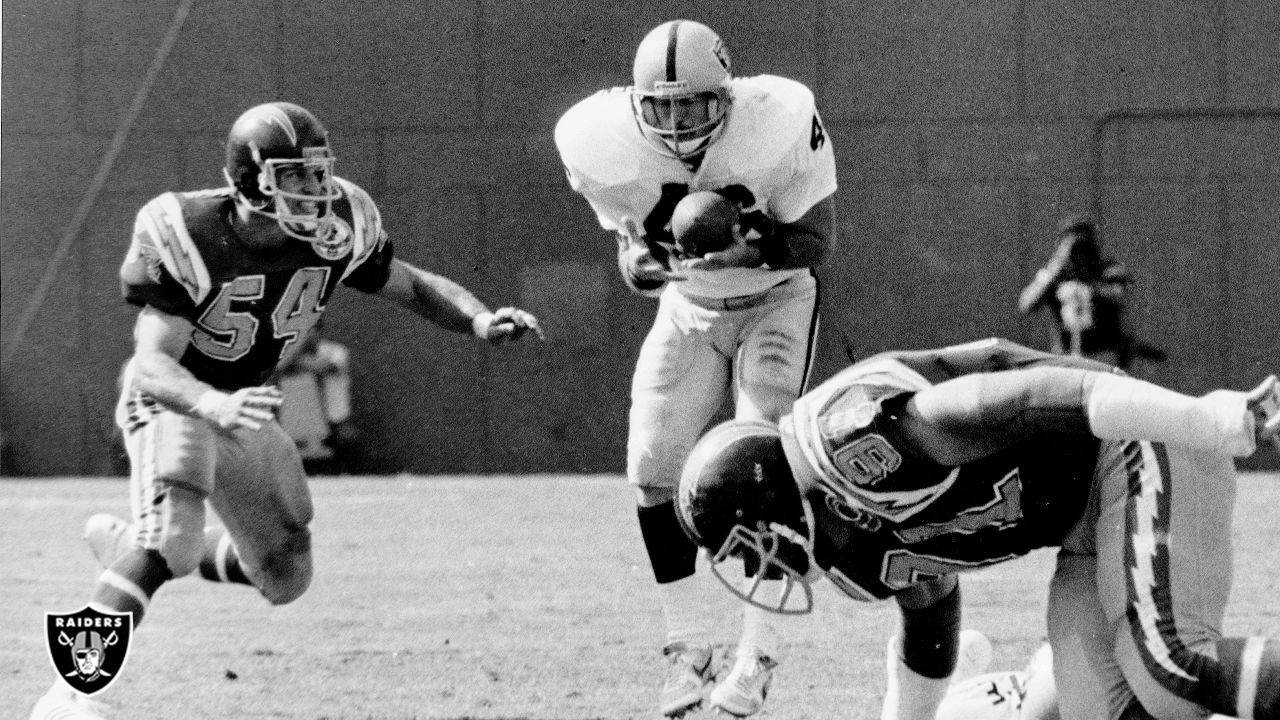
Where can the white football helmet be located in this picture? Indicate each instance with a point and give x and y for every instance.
(680, 91)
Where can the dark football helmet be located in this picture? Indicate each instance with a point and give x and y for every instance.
(737, 499)
(276, 139)
(680, 90)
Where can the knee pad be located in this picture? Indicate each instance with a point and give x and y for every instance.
(286, 571)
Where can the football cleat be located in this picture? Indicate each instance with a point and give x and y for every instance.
(63, 703)
(1263, 403)
(688, 674)
(104, 534)
(744, 690)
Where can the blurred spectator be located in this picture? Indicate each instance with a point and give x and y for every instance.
(315, 377)
(1085, 292)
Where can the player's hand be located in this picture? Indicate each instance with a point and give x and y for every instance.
(507, 323)
(1263, 403)
(740, 254)
(641, 263)
(248, 408)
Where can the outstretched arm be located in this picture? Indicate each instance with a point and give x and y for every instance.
(453, 307)
(973, 416)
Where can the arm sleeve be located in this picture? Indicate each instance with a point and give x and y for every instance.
(372, 272)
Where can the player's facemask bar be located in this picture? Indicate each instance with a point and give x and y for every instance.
(779, 551)
(684, 124)
(305, 213)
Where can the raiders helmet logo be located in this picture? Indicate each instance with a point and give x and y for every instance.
(721, 54)
(88, 647)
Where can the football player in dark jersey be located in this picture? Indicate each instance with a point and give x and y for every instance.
(910, 467)
(226, 280)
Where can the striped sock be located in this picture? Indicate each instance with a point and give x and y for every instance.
(221, 562)
(127, 586)
(1249, 678)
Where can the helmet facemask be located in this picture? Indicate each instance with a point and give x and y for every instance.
(778, 552)
(684, 123)
(303, 208)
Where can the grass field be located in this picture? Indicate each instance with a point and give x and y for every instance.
(494, 598)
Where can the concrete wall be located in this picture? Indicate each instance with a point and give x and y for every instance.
(964, 129)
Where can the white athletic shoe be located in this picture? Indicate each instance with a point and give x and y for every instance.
(63, 703)
(744, 689)
(103, 533)
(688, 674)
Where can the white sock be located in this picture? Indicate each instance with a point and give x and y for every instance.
(684, 608)
(759, 627)
(909, 695)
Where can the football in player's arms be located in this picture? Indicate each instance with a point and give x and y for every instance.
(704, 222)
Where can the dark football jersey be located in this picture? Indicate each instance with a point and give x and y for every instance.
(246, 306)
(880, 530)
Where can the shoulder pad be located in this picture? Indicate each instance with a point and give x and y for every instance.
(843, 430)
(161, 229)
(599, 142)
(366, 224)
(784, 105)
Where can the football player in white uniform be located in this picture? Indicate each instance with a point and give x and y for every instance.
(732, 325)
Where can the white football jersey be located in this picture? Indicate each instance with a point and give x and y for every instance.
(773, 146)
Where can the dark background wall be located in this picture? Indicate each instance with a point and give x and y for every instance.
(963, 131)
